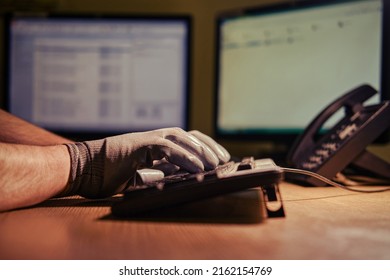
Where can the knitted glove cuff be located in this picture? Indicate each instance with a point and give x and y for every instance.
(87, 169)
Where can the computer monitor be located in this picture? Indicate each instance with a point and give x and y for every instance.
(278, 66)
(88, 76)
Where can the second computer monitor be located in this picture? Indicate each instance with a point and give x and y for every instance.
(279, 66)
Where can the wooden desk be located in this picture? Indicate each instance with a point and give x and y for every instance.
(320, 223)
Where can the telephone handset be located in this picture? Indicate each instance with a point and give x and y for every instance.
(344, 144)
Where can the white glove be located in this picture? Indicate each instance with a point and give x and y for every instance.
(102, 168)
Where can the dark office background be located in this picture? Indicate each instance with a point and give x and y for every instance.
(203, 13)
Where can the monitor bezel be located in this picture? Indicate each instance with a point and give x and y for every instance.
(80, 134)
(288, 138)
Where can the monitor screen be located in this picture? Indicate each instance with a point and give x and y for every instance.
(99, 75)
(279, 66)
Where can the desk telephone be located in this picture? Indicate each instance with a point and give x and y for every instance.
(344, 144)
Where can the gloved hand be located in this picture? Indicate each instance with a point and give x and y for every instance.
(102, 168)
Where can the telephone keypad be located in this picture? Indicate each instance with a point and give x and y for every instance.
(332, 142)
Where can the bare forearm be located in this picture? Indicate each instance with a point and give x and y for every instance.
(16, 130)
(31, 174)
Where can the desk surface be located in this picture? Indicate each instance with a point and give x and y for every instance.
(320, 223)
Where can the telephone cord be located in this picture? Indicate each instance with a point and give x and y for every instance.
(330, 182)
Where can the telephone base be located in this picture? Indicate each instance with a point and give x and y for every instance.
(371, 165)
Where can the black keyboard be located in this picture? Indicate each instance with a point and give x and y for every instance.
(220, 171)
(186, 187)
